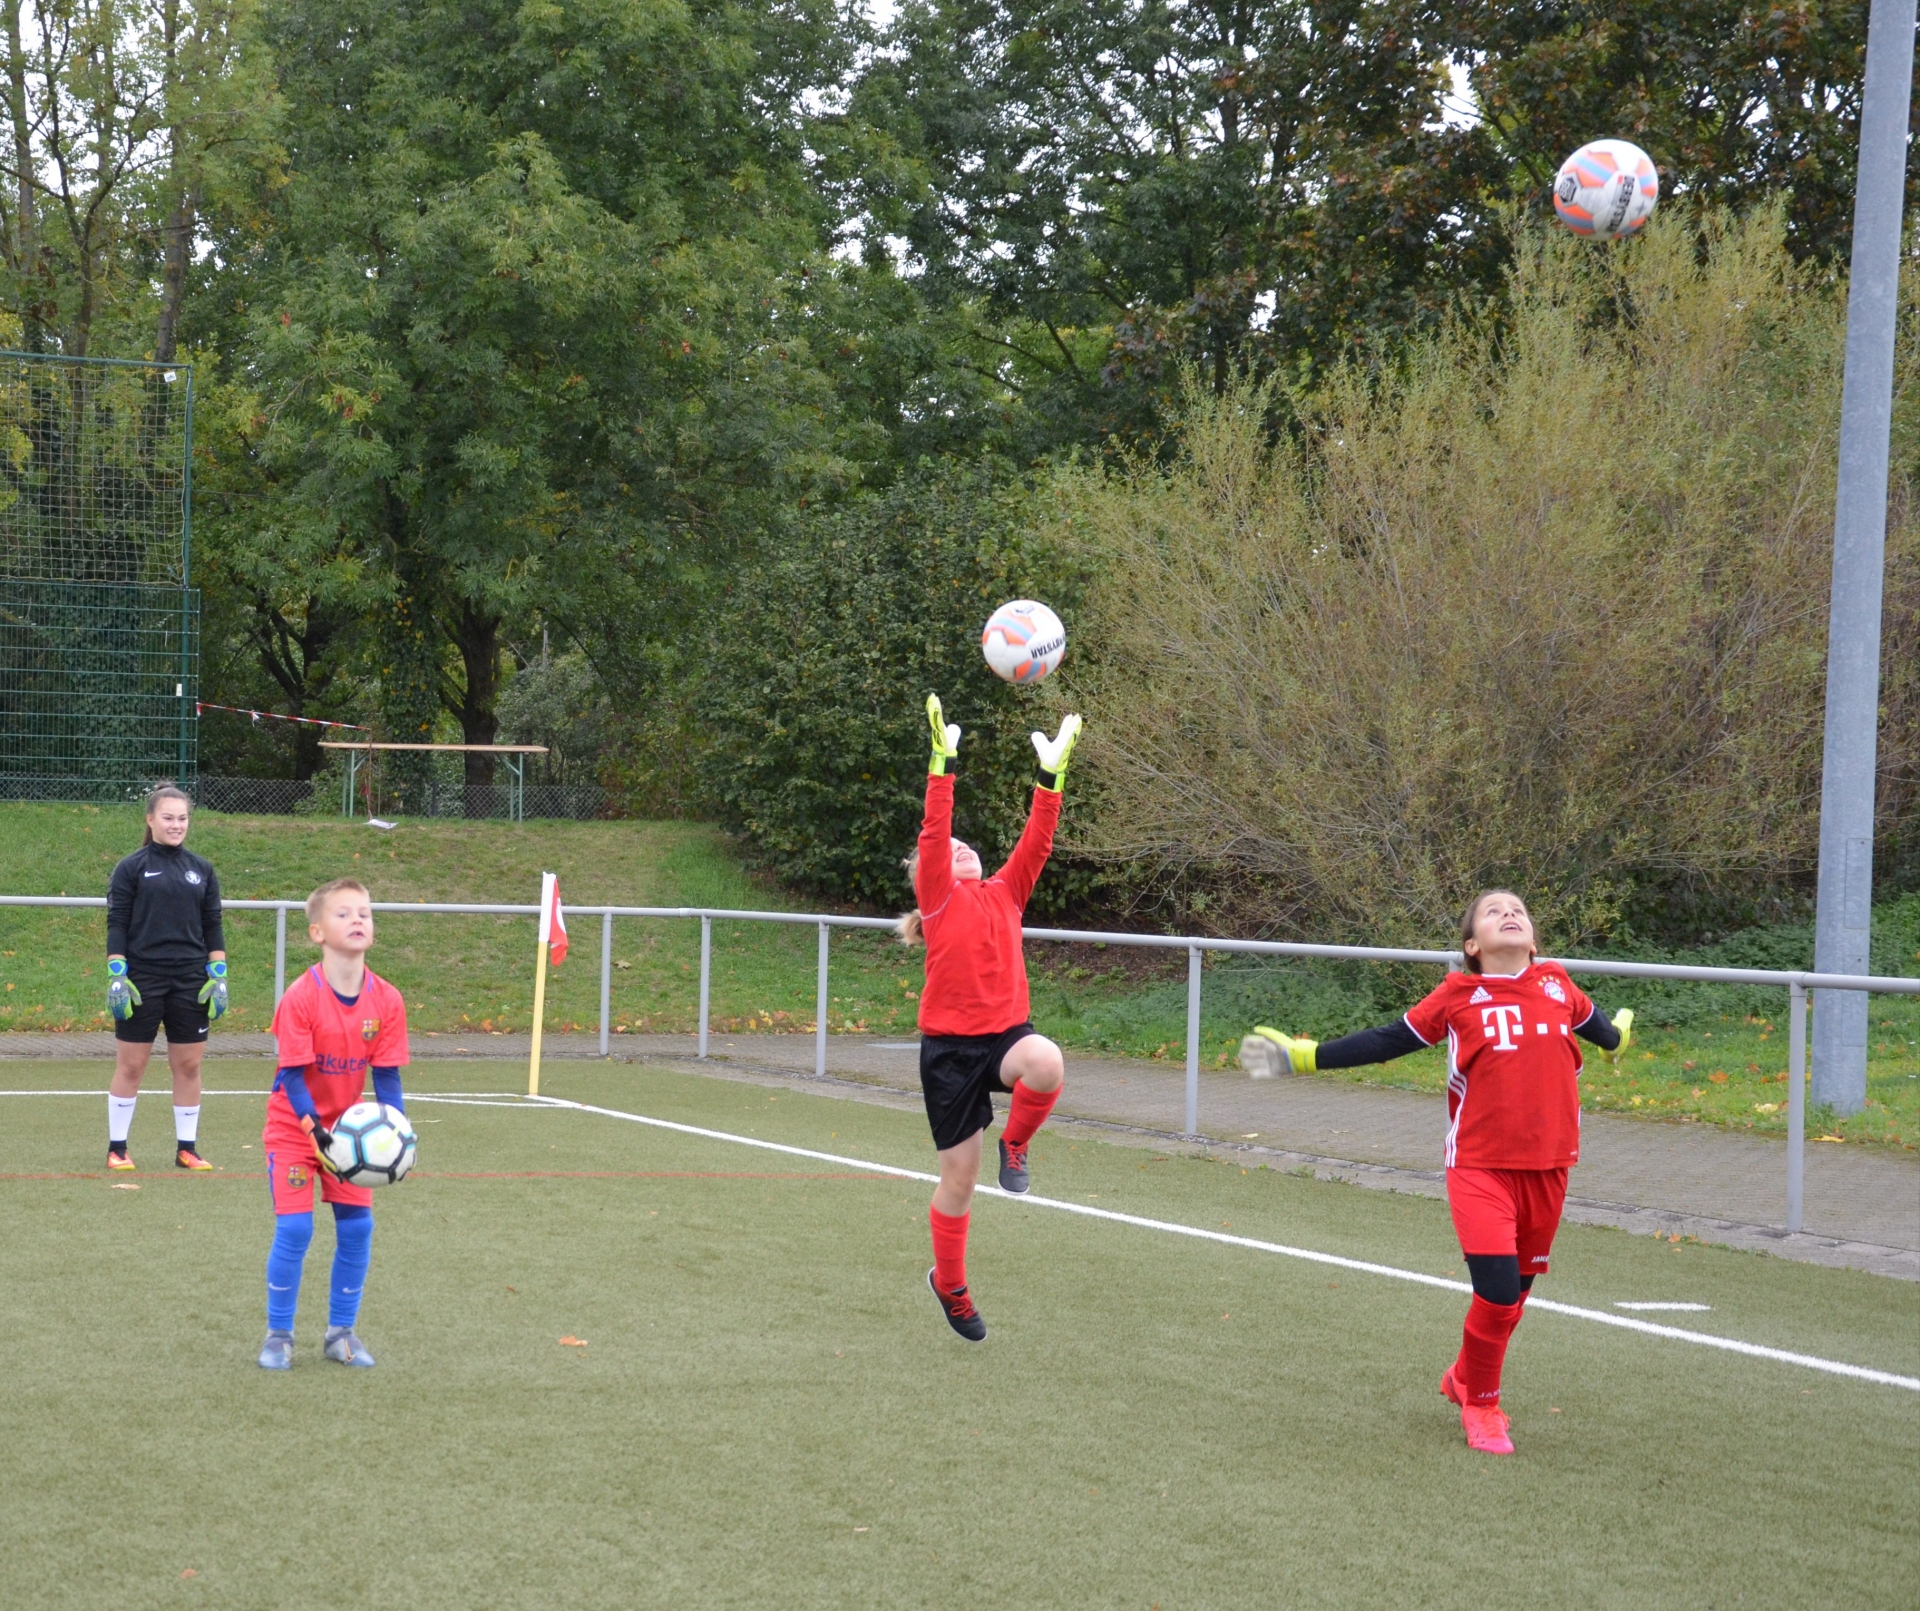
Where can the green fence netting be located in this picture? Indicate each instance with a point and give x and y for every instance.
(99, 622)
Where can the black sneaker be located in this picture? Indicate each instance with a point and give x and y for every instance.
(1013, 1168)
(960, 1312)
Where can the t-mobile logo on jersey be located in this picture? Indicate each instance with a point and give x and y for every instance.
(1499, 1024)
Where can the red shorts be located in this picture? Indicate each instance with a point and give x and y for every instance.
(1513, 1211)
(291, 1173)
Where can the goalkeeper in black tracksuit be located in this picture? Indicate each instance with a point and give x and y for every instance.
(166, 964)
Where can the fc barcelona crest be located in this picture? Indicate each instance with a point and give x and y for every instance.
(369, 1027)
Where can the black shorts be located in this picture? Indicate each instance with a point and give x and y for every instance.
(958, 1076)
(166, 997)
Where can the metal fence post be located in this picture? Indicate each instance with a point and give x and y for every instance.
(1193, 1040)
(606, 978)
(706, 973)
(1796, 1104)
(820, 1009)
(279, 953)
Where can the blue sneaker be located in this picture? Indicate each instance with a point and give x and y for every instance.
(276, 1353)
(344, 1348)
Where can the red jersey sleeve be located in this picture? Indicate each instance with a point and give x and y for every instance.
(390, 1044)
(1427, 1018)
(933, 876)
(1029, 857)
(293, 1025)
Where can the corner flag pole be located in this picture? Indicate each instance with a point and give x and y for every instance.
(549, 919)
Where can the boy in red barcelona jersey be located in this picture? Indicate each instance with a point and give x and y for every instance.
(974, 1034)
(337, 1023)
(1513, 1122)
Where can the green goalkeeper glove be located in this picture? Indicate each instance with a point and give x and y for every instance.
(946, 738)
(213, 994)
(1053, 753)
(1622, 1021)
(123, 995)
(1267, 1053)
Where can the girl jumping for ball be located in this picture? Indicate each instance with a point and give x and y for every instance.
(974, 1034)
(1513, 1122)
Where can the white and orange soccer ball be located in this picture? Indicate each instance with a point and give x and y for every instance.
(1023, 641)
(1607, 189)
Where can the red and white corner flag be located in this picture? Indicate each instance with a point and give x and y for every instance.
(553, 921)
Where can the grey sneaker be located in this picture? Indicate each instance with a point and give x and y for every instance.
(960, 1312)
(276, 1353)
(344, 1348)
(1013, 1169)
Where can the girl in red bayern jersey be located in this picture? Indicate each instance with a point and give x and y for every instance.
(1513, 1122)
(974, 1034)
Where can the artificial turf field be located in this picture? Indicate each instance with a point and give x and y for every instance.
(770, 1411)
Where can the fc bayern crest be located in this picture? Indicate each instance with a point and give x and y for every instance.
(1552, 988)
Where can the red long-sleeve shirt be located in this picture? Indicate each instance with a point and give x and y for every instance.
(976, 970)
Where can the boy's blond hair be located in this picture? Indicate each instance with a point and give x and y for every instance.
(317, 901)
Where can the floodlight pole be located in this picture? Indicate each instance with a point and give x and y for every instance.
(1843, 920)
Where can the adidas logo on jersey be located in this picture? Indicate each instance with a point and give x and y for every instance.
(1481, 994)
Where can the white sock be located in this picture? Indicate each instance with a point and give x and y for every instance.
(119, 1116)
(186, 1124)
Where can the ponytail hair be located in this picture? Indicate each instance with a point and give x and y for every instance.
(159, 792)
(912, 930)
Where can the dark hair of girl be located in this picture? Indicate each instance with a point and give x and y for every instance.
(163, 791)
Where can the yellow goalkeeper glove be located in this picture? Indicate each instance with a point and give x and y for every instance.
(1622, 1021)
(1267, 1053)
(946, 737)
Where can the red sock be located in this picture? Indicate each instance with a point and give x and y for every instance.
(1028, 1112)
(949, 1249)
(1483, 1348)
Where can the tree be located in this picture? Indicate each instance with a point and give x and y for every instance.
(1128, 184)
(527, 317)
(1733, 102)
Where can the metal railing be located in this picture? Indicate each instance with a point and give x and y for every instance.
(1796, 984)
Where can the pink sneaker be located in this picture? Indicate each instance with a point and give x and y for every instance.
(1451, 1389)
(1486, 1428)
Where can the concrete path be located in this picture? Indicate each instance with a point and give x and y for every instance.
(1862, 1204)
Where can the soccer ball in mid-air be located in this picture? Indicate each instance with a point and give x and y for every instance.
(1606, 189)
(372, 1145)
(1023, 641)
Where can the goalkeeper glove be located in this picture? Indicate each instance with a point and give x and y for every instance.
(1053, 753)
(1622, 1021)
(213, 994)
(322, 1139)
(946, 738)
(1266, 1053)
(123, 995)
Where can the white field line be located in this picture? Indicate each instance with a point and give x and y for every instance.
(512, 1099)
(1701, 1339)
(1781, 1356)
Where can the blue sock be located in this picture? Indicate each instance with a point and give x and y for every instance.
(352, 1253)
(292, 1235)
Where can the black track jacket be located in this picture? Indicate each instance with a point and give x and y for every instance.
(163, 909)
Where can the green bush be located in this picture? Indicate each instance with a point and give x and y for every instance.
(821, 670)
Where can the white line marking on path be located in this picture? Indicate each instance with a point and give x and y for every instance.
(1701, 1339)
(1693, 1308)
